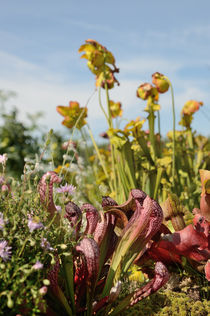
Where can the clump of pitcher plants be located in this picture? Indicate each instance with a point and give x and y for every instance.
(87, 280)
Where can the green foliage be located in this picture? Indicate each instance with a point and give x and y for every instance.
(17, 142)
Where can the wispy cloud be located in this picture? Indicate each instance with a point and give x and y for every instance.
(39, 89)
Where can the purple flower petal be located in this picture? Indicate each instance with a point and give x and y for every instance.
(67, 188)
(5, 252)
(34, 224)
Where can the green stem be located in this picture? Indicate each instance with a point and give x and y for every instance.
(23, 247)
(159, 132)
(113, 155)
(159, 122)
(99, 156)
(151, 119)
(174, 135)
(101, 106)
(108, 106)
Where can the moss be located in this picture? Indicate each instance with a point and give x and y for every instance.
(169, 303)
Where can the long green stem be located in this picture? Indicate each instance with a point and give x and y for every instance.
(151, 119)
(101, 106)
(174, 131)
(99, 156)
(108, 106)
(112, 147)
(22, 248)
(159, 132)
(158, 112)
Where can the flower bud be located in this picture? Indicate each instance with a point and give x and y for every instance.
(46, 282)
(43, 290)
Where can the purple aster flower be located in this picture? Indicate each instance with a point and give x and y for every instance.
(34, 223)
(5, 252)
(67, 188)
(46, 245)
(37, 266)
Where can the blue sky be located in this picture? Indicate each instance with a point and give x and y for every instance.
(39, 58)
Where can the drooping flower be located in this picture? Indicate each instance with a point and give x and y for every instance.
(191, 107)
(101, 62)
(161, 82)
(144, 91)
(37, 266)
(34, 223)
(115, 108)
(67, 188)
(5, 251)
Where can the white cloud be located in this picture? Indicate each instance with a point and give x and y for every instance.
(39, 89)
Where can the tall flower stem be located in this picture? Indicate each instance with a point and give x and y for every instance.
(174, 126)
(112, 146)
(159, 132)
(158, 112)
(151, 119)
(101, 106)
(99, 156)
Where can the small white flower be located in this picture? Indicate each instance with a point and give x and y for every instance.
(37, 266)
(58, 208)
(43, 290)
(3, 159)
